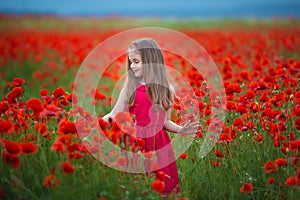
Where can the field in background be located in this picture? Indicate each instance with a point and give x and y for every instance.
(257, 156)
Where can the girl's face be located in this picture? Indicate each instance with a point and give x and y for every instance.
(136, 63)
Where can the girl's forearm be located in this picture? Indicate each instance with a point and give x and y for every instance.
(172, 127)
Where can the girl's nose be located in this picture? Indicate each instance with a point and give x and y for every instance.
(132, 66)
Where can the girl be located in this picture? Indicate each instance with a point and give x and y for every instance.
(147, 95)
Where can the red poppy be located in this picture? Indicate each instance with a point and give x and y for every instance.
(103, 124)
(201, 105)
(12, 147)
(10, 97)
(158, 185)
(241, 109)
(65, 139)
(238, 122)
(68, 168)
(280, 162)
(254, 107)
(50, 181)
(5, 126)
(57, 146)
(250, 95)
(21, 125)
(297, 123)
(230, 105)
(51, 110)
(160, 175)
(231, 89)
(292, 136)
(58, 92)
(291, 181)
(294, 145)
(17, 91)
(270, 79)
(264, 98)
(98, 95)
(274, 130)
(75, 147)
(225, 137)
(176, 106)
(28, 147)
(138, 142)
(183, 155)
(250, 125)
(12, 160)
(35, 105)
(270, 167)
(276, 141)
(200, 93)
(266, 61)
(282, 126)
(66, 127)
(44, 92)
(295, 160)
(244, 75)
(246, 188)
(216, 163)
(3, 107)
(123, 118)
(271, 180)
(297, 94)
(72, 98)
(208, 112)
(218, 153)
(63, 101)
(295, 112)
(18, 82)
(41, 128)
(258, 137)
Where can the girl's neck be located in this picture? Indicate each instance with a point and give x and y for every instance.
(141, 81)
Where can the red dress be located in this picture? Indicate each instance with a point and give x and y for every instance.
(150, 127)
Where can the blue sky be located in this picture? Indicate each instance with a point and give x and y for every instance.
(156, 8)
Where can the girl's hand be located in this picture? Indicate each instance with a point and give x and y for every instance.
(190, 128)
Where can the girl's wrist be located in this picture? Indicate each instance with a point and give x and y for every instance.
(179, 130)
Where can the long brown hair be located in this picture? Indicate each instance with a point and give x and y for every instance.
(154, 74)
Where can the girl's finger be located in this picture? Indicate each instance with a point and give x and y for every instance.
(197, 125)
(194, 123)
(188, 122)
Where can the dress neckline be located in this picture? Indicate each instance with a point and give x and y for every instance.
(141, 87)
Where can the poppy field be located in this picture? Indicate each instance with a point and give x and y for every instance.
(42, 156)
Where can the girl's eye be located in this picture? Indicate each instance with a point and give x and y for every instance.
(135, 61)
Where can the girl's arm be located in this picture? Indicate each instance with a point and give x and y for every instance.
(188, 128)
(170, 125)
(119, 106)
